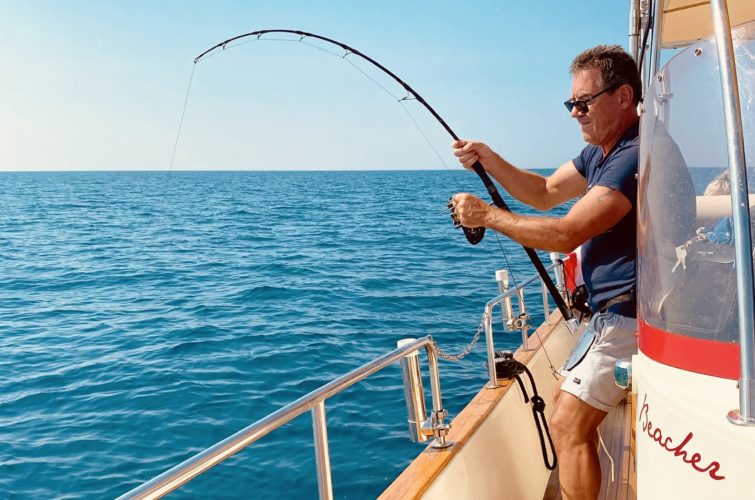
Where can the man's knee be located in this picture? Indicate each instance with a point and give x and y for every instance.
(573, 421)
(561, 428)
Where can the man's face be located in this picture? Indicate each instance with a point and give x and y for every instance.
(602, 118)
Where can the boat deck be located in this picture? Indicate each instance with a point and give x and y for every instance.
(616, 430)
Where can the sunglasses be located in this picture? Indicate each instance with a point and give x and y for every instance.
(582, 104)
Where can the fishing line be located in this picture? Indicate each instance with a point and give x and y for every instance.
(421, 131)
(181, 121)
(400, 101)
(516, 285)
(344, 56)
(474, 235)
(424, 136)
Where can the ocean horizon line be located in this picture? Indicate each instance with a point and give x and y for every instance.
(146, 170)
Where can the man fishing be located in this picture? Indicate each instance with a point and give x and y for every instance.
(605, 92)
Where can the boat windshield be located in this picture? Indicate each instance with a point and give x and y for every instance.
(687, 282)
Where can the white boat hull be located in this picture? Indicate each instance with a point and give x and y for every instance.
(686, 447)
(496, 452)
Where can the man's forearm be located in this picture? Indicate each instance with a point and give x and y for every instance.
(544, 233)
(527, 187)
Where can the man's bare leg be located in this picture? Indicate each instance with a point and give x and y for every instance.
(574, 426)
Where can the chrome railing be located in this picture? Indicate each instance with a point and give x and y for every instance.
(521, 320)
(434, 426)
(314, 401)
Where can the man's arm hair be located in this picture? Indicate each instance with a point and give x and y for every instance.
(541, 193)
(597, 212)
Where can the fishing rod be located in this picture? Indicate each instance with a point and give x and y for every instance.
(473, 235)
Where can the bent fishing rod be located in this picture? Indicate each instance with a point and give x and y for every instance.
(473, 235)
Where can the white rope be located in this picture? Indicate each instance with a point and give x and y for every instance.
(610, 458)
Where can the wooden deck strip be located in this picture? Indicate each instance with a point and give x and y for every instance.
(629, 458)
(417, 477)
(553, 490)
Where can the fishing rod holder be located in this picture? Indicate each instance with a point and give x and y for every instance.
(520, 323)
(512, 322)
(421, 425)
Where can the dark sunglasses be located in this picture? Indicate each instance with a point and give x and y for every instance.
(582, 104)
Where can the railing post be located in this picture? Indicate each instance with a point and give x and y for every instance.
(546, 305)
(322, 452)
(488, 320)
(507, 311)
(522, 321)
(657, 40)
(634, 29)
(440, 428)
(558, 271)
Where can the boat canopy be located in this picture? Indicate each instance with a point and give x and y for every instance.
(686, 269)
(686, 21)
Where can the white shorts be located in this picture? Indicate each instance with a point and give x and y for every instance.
(592, 380)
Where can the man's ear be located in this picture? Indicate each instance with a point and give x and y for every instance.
(626, 95)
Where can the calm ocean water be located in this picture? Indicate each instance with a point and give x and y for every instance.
(146, 316)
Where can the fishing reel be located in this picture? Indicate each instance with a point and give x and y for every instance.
(474, 235)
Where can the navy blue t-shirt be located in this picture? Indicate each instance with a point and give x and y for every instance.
(608, 259)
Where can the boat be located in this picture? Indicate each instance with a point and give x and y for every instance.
(687, 427)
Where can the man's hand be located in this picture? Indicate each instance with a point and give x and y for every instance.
(469, 152)
(469, 209)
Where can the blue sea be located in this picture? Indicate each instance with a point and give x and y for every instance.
(146, 316)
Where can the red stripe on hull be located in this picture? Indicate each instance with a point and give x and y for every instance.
(709, 357)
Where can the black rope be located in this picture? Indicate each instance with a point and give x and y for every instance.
(506, 367)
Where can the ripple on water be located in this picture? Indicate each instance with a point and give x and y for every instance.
(147, 316)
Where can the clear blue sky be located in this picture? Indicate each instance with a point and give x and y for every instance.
(95, 85)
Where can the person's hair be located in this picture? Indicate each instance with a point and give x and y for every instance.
(719, 185)
(615, 65)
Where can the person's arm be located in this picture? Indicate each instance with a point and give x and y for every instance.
(598, 211)
(542, 193)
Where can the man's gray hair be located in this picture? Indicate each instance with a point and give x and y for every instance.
(615, 65)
